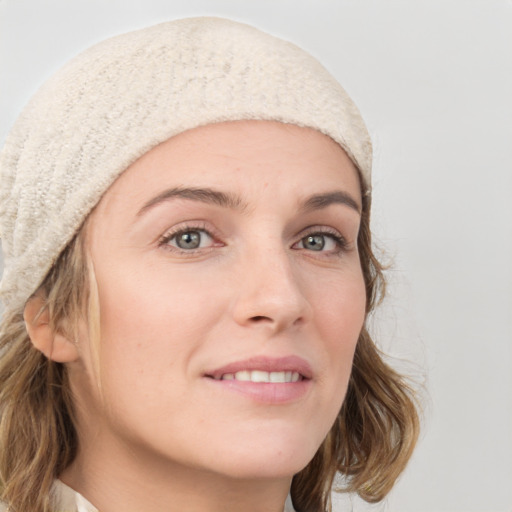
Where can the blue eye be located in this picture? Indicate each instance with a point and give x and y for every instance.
(189, 240)
(321, 242)
(314, 242)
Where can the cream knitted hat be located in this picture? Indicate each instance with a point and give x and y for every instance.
(117, 100)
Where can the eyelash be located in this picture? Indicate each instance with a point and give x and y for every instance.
(339, 240)
(165, 239)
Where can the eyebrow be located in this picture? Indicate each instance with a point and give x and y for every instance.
(203, 195)
(233, 202)
(319, 201)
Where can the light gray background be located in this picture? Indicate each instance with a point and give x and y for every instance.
(434, 82)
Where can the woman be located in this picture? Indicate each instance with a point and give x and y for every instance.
(188, 271)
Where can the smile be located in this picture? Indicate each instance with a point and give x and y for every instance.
(265, 380)
(264, 369)
(262, 376)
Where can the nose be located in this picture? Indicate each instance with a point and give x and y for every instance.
(270, 292)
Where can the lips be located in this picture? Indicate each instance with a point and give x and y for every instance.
(265, 370)
(260, 376)
(264, 380)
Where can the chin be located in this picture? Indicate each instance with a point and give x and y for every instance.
(267, 458)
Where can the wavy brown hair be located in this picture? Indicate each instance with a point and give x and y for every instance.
(375, 432)
(38, 439)
(369, 443)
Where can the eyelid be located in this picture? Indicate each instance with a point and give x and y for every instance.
(342, 245)
(341, 242)
(200, 226)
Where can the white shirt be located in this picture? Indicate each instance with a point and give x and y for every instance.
(68, 500)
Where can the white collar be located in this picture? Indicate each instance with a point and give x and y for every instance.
(72, 501)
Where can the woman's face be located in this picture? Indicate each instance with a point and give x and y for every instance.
(231, 299)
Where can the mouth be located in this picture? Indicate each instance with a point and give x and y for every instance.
(265, 369)
(265, 380)
(277, 377)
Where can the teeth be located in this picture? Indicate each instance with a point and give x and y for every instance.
(278, 376)
(260, 376)
(257, 376)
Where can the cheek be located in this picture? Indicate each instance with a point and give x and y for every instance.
(340, 305)
(340, 315)
(153, 323)
(154, 300)
(145, 343)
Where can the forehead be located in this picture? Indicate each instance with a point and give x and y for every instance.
(253, 155)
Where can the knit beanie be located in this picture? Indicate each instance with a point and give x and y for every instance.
(122, 97)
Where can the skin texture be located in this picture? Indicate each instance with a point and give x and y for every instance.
(161, 435)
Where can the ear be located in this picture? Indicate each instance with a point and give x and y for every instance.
(53, 345)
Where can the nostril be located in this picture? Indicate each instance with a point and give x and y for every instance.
(259, 318)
